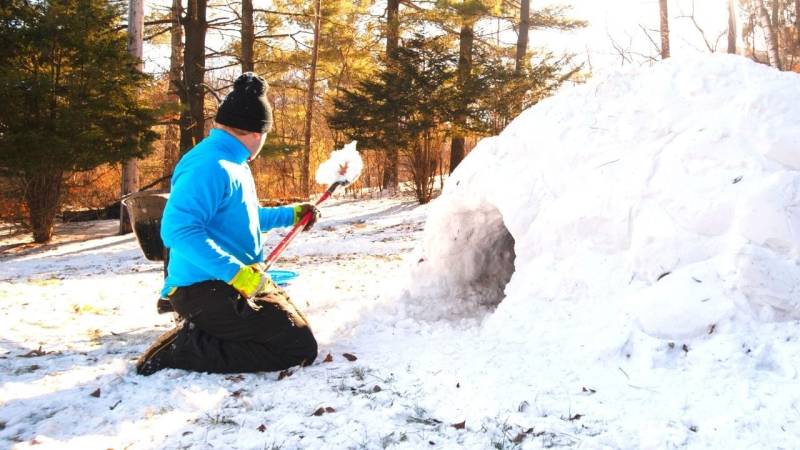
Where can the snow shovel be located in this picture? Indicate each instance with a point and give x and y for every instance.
(341, 169)
(276, 253)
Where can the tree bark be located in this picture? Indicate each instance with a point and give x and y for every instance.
(392, 169)
(248, 36)
(769, 36)
(457, 144)
(194, 68)
(662, 6)
(172, 134)
(732, 27)
(42, 195)
(130, 168)
(312, 81)
(797, 22)
(522, 37)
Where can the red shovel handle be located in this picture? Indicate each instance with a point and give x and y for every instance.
(276, 253)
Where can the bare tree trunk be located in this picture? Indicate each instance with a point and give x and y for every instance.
(732, 27)
(457, 144)
(172, 134)
(522, 38)
(312, 81)
(130, 168)
(797, 22)
(248, 36)
(42, 196)
(662, 6)
(194, 68)
(777, 28)
(769, 36)
(391, 174)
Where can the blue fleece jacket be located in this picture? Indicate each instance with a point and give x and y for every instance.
(212, 222)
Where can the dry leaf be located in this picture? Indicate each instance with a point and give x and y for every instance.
(350, 357)
(237, 394)
(323, 410)
(262, 428)
(460, 425)
(235, 378)
(96, 393)
(284, 374)
(328, 358)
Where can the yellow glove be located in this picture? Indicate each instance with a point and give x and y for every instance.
(250, 280)
(304, 208)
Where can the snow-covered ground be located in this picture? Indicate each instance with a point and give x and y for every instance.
(575, 286)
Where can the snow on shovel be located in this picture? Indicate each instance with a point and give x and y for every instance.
(343, 168)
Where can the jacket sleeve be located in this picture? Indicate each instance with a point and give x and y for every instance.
(196, 195)
(281, 216)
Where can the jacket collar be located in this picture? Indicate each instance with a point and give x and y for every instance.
(230, 145)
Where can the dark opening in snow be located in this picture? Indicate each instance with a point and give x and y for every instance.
(466, 265)
(492, 250)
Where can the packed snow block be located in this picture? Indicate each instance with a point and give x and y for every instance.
(770, 282)
(683, 304)
(769, 215)
(629, 187)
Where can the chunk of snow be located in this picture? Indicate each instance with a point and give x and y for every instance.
(343, 165)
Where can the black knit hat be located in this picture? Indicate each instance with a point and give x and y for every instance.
(246, 106)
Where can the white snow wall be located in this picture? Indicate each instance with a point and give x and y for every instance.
(669, 195)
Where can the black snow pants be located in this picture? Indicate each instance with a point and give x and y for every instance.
(225, 333)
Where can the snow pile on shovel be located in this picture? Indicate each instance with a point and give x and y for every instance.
(662, 200)
(343, 165)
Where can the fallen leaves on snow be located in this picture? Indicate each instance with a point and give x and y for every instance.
(323, 410)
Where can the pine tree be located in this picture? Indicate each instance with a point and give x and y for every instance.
(70, 98)
(395, 108)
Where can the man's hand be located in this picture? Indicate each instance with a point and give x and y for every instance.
(301, 210)
(251, 280)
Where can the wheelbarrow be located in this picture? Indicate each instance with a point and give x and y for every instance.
(145, 209)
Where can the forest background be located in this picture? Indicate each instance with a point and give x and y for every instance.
(103, 97)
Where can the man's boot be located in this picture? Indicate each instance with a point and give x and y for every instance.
(159, 355)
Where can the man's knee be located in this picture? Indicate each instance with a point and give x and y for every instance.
(307, 348)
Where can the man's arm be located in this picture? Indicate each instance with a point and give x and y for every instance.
(194, 199)
(279, 216)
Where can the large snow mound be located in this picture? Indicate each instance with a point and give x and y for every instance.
(662, 199)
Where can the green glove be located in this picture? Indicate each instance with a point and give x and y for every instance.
(251, 281)
(301, 210)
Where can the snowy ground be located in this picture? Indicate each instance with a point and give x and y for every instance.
(76, 315)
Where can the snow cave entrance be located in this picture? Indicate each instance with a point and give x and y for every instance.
(482, 260)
